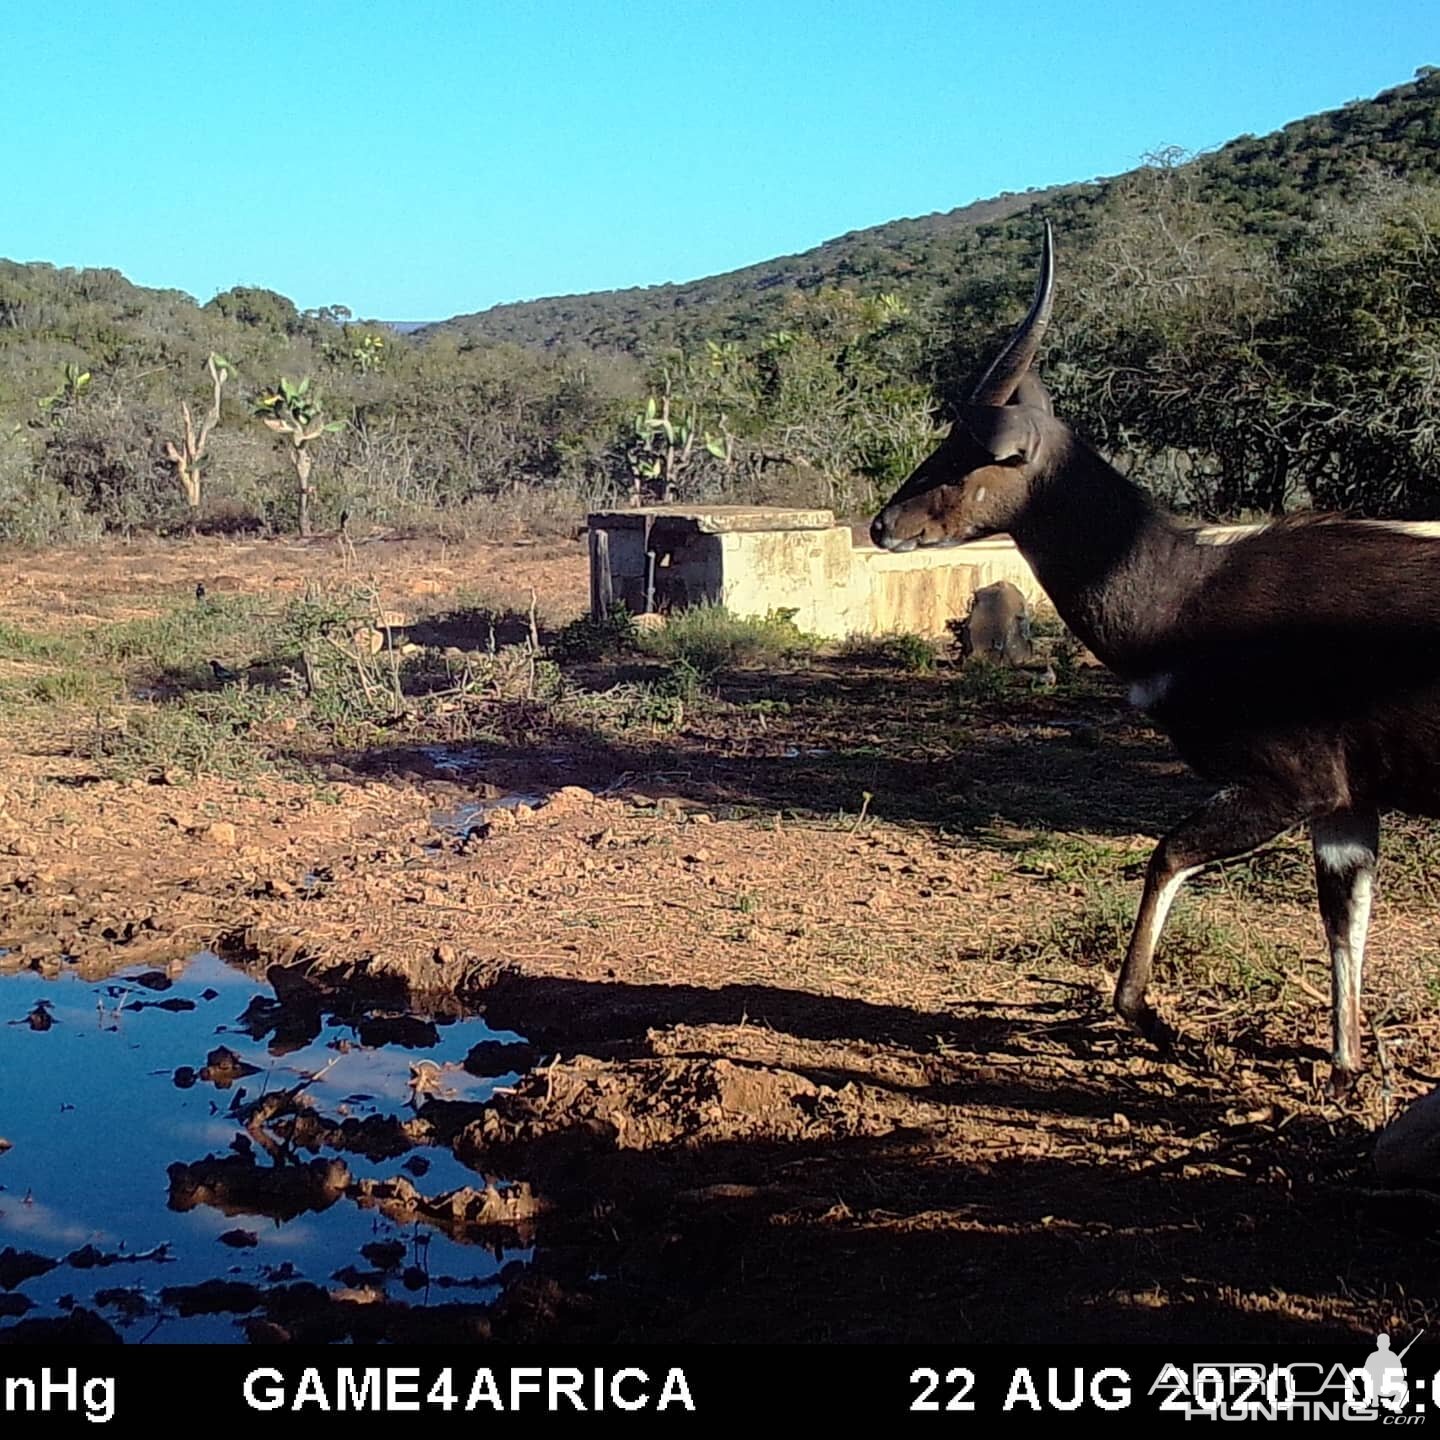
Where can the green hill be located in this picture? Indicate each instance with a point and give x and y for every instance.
(736, 305)
(1251, 330)
(1273, 182)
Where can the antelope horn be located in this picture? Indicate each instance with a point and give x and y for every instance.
(998, 383)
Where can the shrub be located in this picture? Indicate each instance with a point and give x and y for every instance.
(912, 653)
(708, 638)
(982, 684)
(588, 638)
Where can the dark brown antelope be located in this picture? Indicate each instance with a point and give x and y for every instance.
(1297, 668)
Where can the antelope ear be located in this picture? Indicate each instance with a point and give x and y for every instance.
(1031, 391)
(1009, 434)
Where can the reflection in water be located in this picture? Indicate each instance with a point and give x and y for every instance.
(98, 1105)
(460, 820)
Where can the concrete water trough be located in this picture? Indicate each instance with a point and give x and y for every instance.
(754, 559)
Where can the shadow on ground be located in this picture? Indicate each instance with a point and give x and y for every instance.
(997, 1199)
(825, 738)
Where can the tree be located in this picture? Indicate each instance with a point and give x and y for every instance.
(336, 315)
(259, 309)
(186, 454)
(1356, 340)
(835, 393)
(293, 410)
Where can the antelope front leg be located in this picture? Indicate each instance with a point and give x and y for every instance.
(1232, 823)
(1347, 846)
(1162, 883)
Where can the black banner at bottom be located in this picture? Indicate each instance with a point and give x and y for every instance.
(44, 1388)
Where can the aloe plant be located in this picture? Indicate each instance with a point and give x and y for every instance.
(73, 383)
(293, 409)
(363, 351)
(664, 445)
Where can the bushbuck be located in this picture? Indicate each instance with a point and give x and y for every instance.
(1296, 668)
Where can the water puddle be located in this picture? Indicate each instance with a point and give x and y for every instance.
(453, 760)
(113, 1094)
(457, 821)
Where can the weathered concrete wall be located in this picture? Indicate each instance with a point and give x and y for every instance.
(756, 559)
(808, 571)
(921, 591)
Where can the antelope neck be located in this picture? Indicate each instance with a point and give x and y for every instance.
(1116, 567)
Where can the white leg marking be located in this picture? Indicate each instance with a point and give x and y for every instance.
(1343, 854)
(1363, 896)
(1347, 961)
(1164, 899)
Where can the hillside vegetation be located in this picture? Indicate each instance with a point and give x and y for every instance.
(1252, 330)
(905, 255)
(1268, 185)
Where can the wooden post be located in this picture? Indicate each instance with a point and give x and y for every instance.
(602, 584)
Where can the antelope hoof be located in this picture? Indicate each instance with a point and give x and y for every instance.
(1144, 1019)
(1342, 1082)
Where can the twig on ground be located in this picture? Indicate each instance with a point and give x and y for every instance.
(867, 797)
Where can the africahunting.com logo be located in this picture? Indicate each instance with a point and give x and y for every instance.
(1379, 1390)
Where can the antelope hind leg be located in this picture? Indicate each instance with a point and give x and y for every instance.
(1229, 824)
(1347, 847)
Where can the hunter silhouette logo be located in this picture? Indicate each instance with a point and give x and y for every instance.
(1388, 1386)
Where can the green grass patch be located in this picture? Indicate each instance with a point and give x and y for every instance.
(708, 638)
(1285, 871)
(980, 685)
(914, 654)
(1047, 625)
(1410, 860)
(650, 706)
(203, 688)
(1197, 949)
(95, 664)
(226, 628)
(1070, 859)
(26, 645)
(78, 686)
(207, 733)
(1278, 873)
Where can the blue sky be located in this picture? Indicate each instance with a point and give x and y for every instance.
(417, 159)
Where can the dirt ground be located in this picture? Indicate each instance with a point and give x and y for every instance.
(819, 981)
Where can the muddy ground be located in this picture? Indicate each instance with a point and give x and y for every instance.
(817, 981)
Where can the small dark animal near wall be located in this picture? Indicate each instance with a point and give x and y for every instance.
(1298, 668)
(997, 628)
